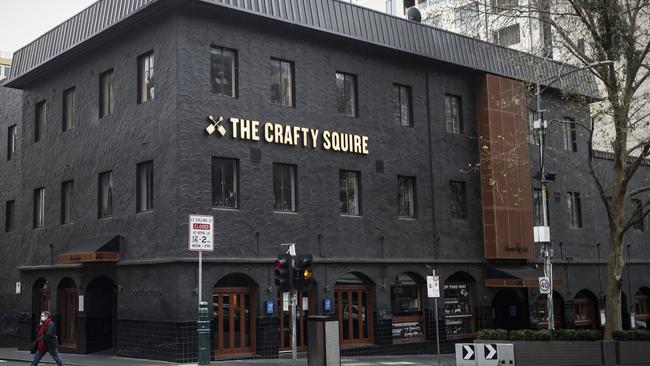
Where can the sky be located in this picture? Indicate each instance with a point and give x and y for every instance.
(22, 21)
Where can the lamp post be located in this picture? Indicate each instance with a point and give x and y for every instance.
(543, 233)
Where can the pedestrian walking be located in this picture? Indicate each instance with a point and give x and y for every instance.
(46, 341)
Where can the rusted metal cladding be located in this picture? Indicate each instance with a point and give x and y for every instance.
(505, 169)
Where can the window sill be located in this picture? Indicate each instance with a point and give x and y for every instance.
(105, 218)
(407, 218)
(231, 209)
(144, 212)
(352, 216)
(286, 212)
(67, 224)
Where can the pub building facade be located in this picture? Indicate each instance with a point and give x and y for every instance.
(384, 147)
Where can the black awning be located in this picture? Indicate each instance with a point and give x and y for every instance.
(96, 249)
(518, 272)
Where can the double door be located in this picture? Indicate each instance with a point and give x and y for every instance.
(354, 308)
(68, 322)
(304, 308)
(234, 315)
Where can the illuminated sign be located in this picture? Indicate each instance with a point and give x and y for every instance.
(283, 134)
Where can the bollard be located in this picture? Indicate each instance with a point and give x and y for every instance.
(203, 336)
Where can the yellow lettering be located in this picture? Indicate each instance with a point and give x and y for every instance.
(357, 144)
(326, 140)
(344, 142)
(364, 144)
(288, 139)
(314, 137)
(235, 126)
(256, 130)
(245, 126)
(268, 132)
(336, 141)
(304, 136)
(278, 133)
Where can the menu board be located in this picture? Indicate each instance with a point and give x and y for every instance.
(458, 309)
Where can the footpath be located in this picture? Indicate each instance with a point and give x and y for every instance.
(12, 356)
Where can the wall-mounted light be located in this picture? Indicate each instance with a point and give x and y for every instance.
(215, 126)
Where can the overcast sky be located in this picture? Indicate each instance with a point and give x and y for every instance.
(22, 21)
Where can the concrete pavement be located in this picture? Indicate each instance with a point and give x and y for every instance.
(14, 357)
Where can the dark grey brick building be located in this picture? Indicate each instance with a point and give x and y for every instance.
(353, 134)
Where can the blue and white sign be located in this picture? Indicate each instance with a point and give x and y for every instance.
(327, 304)
(268, 305)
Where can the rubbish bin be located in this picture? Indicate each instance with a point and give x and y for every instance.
(323, 341)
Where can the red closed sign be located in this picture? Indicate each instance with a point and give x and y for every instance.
(201, 226)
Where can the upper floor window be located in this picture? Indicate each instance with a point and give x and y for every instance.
(406, 197)
(224, 183)
(638, 215)
(223, 71)
(452, 114)
(575, 209)
(284, 187)
(402, 105)
(349, 192)
(11, 142)
(458, 200)
(105, 195)
(38, 213)
(67, 200)
(68, 109)
(144, 186)
(508, 36)
(539, 208)
(10, 212)
(106, 94)
(570, 138)
(40, 121)
(346, 94)
(282, 87)
(145, 77)
(501, 5)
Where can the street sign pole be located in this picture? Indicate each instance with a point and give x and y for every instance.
(435, 300)
(201, 238)
(433, 290)
(294, 300)
(200, 277)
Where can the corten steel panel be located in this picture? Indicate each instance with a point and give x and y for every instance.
(505, 168)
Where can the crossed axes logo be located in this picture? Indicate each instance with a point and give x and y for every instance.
(216, 125)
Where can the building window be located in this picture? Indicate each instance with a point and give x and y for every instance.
(575, 209)
(349, 192)
(68, 109)
(145, 77)
(570, 140)
(144, 186)
(105, 195)
(10, 212)
(67, 198)
(223, 71)
(346, 96)
(40, 121)
(638, 215)
(507, 36)
(284, 187)
(282, 88)
(539, 210)
(452, 114)
(39, 208)
(402, 105)
(106, 94)
(11, 142)
(502, 5)
(225, 190)
(406, 197)
(458, 200)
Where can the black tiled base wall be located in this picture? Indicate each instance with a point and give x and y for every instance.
(166, 341)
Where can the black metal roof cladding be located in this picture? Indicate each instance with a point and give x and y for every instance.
(331, 16)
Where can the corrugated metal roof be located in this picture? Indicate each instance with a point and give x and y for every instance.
(340, 18)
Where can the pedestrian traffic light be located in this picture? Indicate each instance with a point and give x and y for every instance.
(303, 278)
(284, 272)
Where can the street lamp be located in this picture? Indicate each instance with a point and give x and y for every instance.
(543, 233)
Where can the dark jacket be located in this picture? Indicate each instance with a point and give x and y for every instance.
(49, 338)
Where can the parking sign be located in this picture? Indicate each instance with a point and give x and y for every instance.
(201, 230)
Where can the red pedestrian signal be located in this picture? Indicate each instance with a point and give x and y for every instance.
(284, 272)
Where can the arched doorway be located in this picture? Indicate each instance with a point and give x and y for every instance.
(354, 305)
(233, 301)
(510, 312)
(459, 305)
(101, 315)
(541, 311)
(407, 304)
(68, 305)
(40, 302)
(586, 310)
(305, 307)
(642, 308)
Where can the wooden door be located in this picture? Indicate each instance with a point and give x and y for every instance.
(354, 308)
(305, 308)
(68, 311)
(234, 312)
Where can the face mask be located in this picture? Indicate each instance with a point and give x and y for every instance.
(43, 318)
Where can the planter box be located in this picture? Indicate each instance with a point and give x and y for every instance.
(556, 353)
(633, 353)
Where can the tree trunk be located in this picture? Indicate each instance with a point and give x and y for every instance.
(616, 263)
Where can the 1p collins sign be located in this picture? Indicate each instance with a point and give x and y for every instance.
(283, 134)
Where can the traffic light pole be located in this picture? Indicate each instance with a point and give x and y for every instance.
(294, 300)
